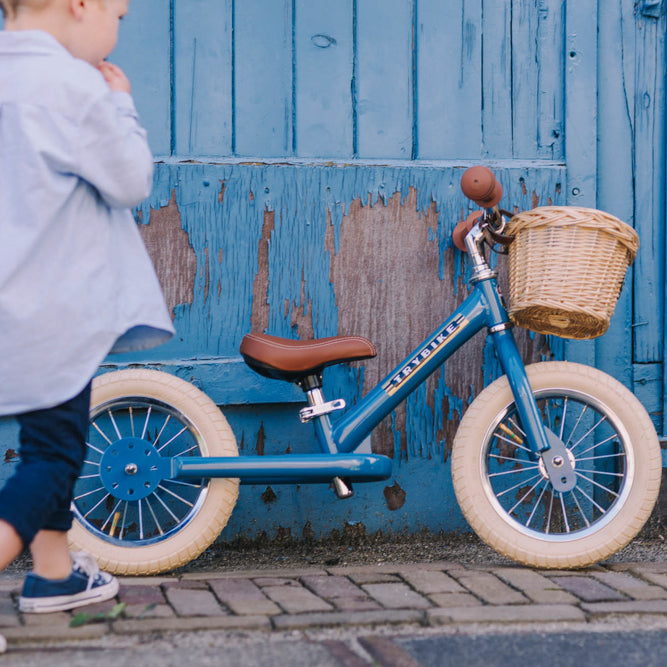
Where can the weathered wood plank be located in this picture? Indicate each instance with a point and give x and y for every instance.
(143, 52)
(263, 96)
(385, 78)
(615, 185)
(581, 124)
(498, 50)
(649, 170)
(203, 77)
(324, 42)
(449, 70)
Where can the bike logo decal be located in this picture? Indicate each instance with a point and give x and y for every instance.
(451, 330)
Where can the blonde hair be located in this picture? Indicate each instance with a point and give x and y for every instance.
(11, 7)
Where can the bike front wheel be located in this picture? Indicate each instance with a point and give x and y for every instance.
(507, 497)
(130, 515)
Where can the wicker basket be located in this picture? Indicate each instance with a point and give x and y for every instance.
(567, 266)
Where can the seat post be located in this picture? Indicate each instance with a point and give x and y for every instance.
(319, 408)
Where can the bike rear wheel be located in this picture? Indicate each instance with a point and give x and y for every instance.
(128, 514)
(507, 498)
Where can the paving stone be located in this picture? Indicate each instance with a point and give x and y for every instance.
(389, 616)
(657, 578)
(188, 584)
(373, 577)
(191, 623)
(41, 633)
(251, 574)
(332, 587)
(364, 603)
(57, 619)
(296, 600)
(144, 581)
(148, 611)
(632, 586)
(535, 586)
(396, 596)
(638, 568)
(8, 612)
(506, 614)
(194, 602)
(275, 581)
(454, 600)
(489, 588)
(626, 607)
(589, 589)
(393, 568)
(432, 581)
(142, 594)
(242, 596)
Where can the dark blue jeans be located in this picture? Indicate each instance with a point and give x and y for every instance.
(52, 449)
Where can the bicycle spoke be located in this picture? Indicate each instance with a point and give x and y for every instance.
(175, 495)
(111, 514)
(92, 509)
(520, 484)
(602, 419)
(148, 416)
(157, 523)
(598, 444)
(182, 483)
(562, 423)
(113, 421)
(90, 493)
(601, 456)
(513, 472)
(574, 429)
(130, 410)
(583, 516)
(590, 500)
(159, 435)
(537, 503)
(525, 495)
(173, 516)
(562, 505)
(185, 428)
(600, 486)
(141, 521)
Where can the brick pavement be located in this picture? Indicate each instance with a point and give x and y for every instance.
(428, 594)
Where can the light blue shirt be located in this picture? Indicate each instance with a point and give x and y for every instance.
(76, 281)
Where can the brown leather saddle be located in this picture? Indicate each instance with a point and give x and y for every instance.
(292, 360)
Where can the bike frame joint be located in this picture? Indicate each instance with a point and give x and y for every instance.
(313, 411)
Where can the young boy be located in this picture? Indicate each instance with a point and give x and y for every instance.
(75, 280)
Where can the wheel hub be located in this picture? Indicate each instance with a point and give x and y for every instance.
(130, 469)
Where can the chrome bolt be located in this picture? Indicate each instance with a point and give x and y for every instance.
(557, 461)
(131, 469)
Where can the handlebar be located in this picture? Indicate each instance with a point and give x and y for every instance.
(480, 185)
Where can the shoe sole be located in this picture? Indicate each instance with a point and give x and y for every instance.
(66, 602)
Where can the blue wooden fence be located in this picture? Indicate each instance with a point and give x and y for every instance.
(308, 163)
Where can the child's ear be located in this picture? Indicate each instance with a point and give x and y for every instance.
(77, 8)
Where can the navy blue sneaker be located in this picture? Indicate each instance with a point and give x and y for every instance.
(85, 585)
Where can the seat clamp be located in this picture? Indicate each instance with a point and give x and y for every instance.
(309, 413)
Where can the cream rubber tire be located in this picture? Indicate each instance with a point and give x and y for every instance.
(177, 520)
(602, 424)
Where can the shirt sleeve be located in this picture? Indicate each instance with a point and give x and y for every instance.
(113, 153)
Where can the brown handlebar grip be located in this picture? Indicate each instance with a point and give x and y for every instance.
(480, 185)
(462, 228)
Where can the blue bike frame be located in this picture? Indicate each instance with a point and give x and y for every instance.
(483, 308)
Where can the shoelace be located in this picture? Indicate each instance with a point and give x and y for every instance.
(85, 563)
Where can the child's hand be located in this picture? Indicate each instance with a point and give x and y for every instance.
(115, 77)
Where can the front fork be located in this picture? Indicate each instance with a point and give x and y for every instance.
(543, 443)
